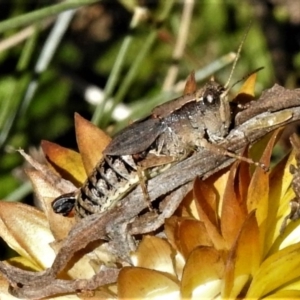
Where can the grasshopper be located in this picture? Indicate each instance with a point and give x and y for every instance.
(204, 117)
(170, 133)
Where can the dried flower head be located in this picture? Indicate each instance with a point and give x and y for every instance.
(223, 241)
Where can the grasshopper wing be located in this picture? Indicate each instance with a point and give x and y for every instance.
(135, 138)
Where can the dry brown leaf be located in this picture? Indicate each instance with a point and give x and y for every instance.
(203, 267)
(191, 234)
(190, 85)
(233, 212)
(205, 212)
(65, 161)
(154, 253)
(46, 193)
(140, 283)
(26, 230)
(91, 142)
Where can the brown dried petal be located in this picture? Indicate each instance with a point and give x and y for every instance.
(202, 274)
(91, 142)
(205, 212)
(190, 85)
(234, 210)
(154, 253)
(53, 179)
(65, 161)
(140, 283)
(191, 234)
(258, 194)
(25, 229)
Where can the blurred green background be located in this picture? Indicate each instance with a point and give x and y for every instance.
(127, 56)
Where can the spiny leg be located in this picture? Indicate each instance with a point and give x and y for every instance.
(150, 162)
(142, 180)
(222, 151)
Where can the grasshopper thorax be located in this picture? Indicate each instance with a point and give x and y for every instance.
(215, 109)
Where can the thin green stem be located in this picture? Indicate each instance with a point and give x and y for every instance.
(139, 107)
(98, 117)
(15, 99)
(27, 51)
(117, 68)
(41, 14)
(112, 80)
(49, 49)
(20, 193)
(132, 73)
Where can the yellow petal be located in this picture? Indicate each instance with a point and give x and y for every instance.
(206, 200)
(154, 253)
(289, 291)
(218, 182)
(290, 236)
(81, 265)
(202, 274)
(285, 294)
(233, 208)
(91, 142)
(249, 85)
(280, 196)
(65, 161)
(171, 225)
(246, 93)
(139, 283)
(46, 184)
(188, 207)
(24, 263)
(171, 228)
(243, 259)
(281, 177)
(191, 234)
(258, 192)
(281, 268)
(25, 229)
(208, 215)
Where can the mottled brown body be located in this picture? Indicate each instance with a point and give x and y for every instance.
(175, 129)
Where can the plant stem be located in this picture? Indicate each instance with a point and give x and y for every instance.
(41, 14)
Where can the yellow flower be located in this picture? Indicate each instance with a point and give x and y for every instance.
(222, 242)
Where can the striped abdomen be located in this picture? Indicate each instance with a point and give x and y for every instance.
(112, 178)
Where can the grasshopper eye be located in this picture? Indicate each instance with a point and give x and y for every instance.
(208, 99)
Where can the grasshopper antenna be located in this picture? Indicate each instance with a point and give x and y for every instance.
(246, 76)
(237, 57)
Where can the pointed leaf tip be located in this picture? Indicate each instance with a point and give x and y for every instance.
(190, 85)
(248, 87)
(91, 142)
(65, 161)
